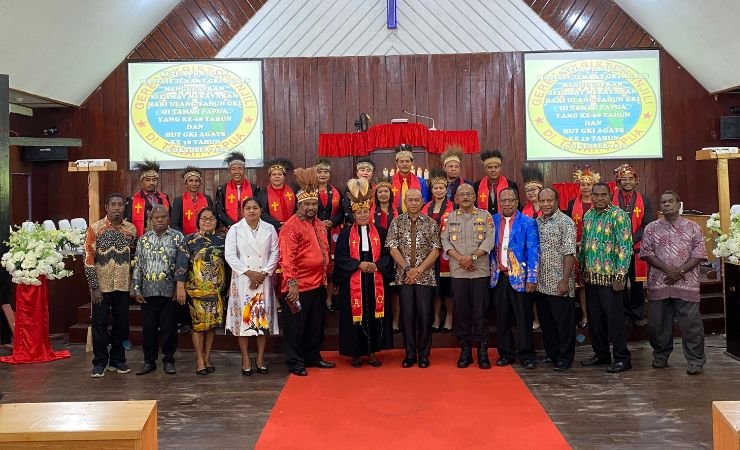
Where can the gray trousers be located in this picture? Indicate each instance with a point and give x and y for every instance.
(660, 328)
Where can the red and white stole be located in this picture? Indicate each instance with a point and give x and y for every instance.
(412, 181)
(138, 210)
(280, 202)
(638, 212)
(528, 211)
(577, 216)
(355, 281)
(234, 201)
(190, 211)
(483, 191)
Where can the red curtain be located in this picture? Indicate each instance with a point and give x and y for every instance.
(31, 340)
(393, 135)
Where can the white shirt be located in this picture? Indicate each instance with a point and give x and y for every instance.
(505, 243)
(365, 245)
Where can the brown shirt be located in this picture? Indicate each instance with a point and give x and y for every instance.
(468, 233)
(426, 240)
(108, 253)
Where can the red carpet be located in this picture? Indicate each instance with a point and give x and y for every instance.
(392, 407)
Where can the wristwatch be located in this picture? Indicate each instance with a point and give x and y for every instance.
(407, 267)
(474, 257)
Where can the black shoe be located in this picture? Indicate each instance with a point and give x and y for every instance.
(356, 362)
(262, 370)
(423, 363)
(299, 371)
(408, 362)
(322, 365)
(169, 368)
(529, 364)
(503, 362)
(247, 372)
(546, 360)
(659, 363)
(595, 361)
(201, 371)
(466, 355)
(483, 361)
(561, 366)
(375, 362)
(146, 368)
(618, 367)
(210, 369)
(186, 329)
(330, 307)
(639, 322)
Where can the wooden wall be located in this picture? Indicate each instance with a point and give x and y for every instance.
(307, 96)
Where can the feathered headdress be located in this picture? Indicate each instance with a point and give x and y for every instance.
(279, 164)
(359, 193)
(365, 163)
(192, 171)
(437, 177)
(533, 177)
(404, 150)
(235, 158)
(322, 163)
(625, 169)
(585, 175)
(491, 155)
(452, 153)
(147, 168)
(308, 182)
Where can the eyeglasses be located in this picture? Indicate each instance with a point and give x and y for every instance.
(507, 200)
(208, 219)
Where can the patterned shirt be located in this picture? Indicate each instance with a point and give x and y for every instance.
(155, 263)
(427, 239)
(557, 239)
(606, 246)
(673, 245)
(108, 251)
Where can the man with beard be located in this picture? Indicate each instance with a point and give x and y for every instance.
(139, 206)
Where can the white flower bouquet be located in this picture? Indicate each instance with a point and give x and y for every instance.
(35, 252)
(727, 245)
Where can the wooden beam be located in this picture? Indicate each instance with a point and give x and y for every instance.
(4, 157)
(22, 110)
(45, 142)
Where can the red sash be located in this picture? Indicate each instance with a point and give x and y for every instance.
(483, 191)
(190, 212)
(385, 218)
(444, 258)
(528, 211)
(412, 181)
(577, 216)
(335, 208)
(233, 201)
(355, 281)
(280, 202)
(138, 210)
(638, 212)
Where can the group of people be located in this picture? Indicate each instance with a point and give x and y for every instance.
(398, 251)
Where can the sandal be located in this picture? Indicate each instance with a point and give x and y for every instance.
(261, 369)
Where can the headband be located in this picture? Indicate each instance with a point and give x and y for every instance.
(307, 195)
(451, 158)
(322, 165)
(439, 180)
(365, 165)
(192, 173)
(275, 167)
(237, 162)
(406, 153)
(492, 159)
(360, 205)
(149, 173)
(533, 183)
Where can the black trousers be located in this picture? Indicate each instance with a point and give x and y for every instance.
(470, 321)
(660, 329)
(159, 320)
(633, 297)
(606, 323)
(507, 302)
(303, 331)
(114, 304)
(417, 316)
(557, 321)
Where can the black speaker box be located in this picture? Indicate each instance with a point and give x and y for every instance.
(729, 127)
(43, 154)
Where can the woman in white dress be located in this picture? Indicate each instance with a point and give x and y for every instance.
(252, 252)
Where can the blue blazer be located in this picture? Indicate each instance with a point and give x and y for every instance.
(523, 252)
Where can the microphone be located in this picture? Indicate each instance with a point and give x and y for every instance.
(425, 117)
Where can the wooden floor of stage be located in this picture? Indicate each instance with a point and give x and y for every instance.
(645, 408)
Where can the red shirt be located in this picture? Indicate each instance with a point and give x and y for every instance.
(304, 253)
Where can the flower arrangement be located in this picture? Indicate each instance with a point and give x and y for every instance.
(35, 252)
(727, 245)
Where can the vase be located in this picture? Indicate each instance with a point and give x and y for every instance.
(31, 339)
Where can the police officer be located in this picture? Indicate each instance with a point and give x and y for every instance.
(467, 239)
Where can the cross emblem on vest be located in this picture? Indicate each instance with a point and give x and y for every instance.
(482, 196)
(375, 239)
(138, 208)
(395, 190)
(231, 198)
(637, 212)
(289, 195)
(274, 206)
(354, 242)
(189, 214)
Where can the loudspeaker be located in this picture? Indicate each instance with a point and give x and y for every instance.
(43, 154)
(729, 127)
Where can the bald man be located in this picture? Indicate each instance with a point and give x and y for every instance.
(413, 240)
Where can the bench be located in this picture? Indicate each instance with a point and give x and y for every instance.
(726, 425)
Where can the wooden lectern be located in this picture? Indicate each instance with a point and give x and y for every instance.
(93, 185)
(730, 272)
